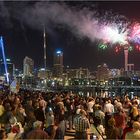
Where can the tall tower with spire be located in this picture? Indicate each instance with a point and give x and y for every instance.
(45, 49)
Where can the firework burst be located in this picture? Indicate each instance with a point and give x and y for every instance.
(135, 33)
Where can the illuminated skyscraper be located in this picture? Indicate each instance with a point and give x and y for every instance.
(78, 73)
(10, 69)
(28, 66)
(58, 64)
(102, 72)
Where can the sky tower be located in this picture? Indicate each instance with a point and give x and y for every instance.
(44, 48)
(126, 58)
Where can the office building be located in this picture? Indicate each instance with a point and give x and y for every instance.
(28, 66)
(102, 72)
(10, 69)
(58, 64)
(78, 73)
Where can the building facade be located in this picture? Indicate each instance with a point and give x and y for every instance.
(114, 73)
(78, 73)
(58, 64)
(102, 72)
(44, 74)
(28, 66)
(10, 69)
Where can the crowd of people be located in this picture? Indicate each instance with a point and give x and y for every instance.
(40, 115)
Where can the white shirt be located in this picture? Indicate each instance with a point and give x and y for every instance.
(90, 106)
(109, 108)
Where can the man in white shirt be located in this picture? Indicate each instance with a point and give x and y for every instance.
(109, 108)
(90, 105)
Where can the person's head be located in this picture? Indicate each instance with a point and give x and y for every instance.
(111, 122)
(106, 102)
(36, 104)
(58, 99)
(29, 102)
(8, 107)
(119, 109)
(97, 121)
(31, 114)
(134, 102)
(115, 102)
(97, 101)
(99, 107)
(136, 125)
(78, 111)
(37, 124)
(12, 120)
(83, 112)
(90, 99)
(68, 101)
(109, 101)
(118, 100)
(135, 97)
(20, 105)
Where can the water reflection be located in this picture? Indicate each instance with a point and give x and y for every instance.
(106, 94)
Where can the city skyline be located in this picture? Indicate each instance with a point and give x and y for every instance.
(24, 37)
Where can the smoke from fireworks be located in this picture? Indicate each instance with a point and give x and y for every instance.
(83, 23)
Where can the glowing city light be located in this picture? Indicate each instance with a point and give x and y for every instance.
(8, 60)
(58, 52)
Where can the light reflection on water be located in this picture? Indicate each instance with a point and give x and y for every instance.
(94, 94)
(106, 94)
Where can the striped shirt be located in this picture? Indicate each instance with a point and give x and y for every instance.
(81, 124)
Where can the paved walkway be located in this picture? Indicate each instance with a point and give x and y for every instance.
(71, 133)
(68, 138)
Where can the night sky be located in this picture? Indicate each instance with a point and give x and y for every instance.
(21, 25)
